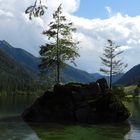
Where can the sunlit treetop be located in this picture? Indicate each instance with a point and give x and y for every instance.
(36, 10)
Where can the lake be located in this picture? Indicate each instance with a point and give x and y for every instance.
(12, 127)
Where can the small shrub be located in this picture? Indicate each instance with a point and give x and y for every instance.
(119, 91)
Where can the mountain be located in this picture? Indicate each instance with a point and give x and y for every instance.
(117, 77)
(31, 62)
(97, 75)
(23, 57)
(72, 74)
(114, 77)
(130, 77)
(13, 76)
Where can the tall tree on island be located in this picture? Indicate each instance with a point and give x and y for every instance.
(61, 46)
(112, 64)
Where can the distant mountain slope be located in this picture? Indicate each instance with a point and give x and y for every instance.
(117, 77)
(130, 77)
(72, 74)
(114, 78)
(20, 55)
(12, 74)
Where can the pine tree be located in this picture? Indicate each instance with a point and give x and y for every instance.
(61, 46)
(112, 64)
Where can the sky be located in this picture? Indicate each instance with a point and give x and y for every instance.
(95, 20)
(97, 8)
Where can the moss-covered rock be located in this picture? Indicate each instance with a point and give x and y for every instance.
(77, 103)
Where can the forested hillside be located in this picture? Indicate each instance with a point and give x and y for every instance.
(130, 77)
(13, 76)
(23, 57)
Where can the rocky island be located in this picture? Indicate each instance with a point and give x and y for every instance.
(75, 103)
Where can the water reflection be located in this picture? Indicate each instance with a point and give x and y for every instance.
(12, 126)
(92, 132)
(134, 120)
(14, 105)
(134, 133)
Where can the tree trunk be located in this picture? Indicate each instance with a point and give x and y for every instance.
(110, 84)
(58, 62)
(58, 72)
(110, 80)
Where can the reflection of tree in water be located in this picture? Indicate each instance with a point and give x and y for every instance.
(14, 105)
(77, 132)
(13, 128)
(134, 107)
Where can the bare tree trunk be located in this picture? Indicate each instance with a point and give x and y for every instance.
(58, 62)
(110, 79)
(110, 82)
(58, 72)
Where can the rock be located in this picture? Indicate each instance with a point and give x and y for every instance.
(77, 103)
(103, 84)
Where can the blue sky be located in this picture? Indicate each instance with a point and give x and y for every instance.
(96, 8)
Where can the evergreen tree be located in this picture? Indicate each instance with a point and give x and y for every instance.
(112, 64)
(61, 46)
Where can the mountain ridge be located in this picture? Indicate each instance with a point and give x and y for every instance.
(132, 76)
(22, 56)
(13, 76)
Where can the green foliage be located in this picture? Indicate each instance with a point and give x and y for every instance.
(130, 89)
(119, 91)
(47, 78)
(138, 83)
(111, 64)
(137, 89)
(74, 84)
(36, 10)
(61, 46)
(14, 78)
(136, 92)
(12, 74)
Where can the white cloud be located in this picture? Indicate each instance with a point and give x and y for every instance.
(122, 29)
(5, 14)
(16, 28)
(69, 6)
(125, 47)
(92, 33)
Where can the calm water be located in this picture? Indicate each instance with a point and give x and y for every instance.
(12, 127)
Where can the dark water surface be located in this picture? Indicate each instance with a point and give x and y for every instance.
(12, 127)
